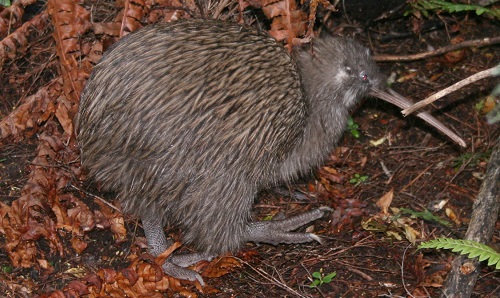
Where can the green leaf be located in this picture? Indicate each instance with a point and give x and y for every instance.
(355, 133)
(480, 11)
(426, 6)
(426, 215)
(315, 283)
(470, 248)
(328, 278)
(7, 269)
(317, 275)
(353, 127)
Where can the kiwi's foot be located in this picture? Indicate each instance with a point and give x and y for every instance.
(174, 265)
(181, 272)
(278, 231)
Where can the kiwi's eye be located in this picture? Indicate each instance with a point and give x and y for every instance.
(363, 76)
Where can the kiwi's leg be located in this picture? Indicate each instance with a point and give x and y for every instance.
(278, 231)
(174, 265)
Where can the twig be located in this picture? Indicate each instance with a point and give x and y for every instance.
(272, 279)
(403, 273)
(473, 78)
(416, 178)
(96, 197)
(360, 273)
(470, 43)
(386, 170)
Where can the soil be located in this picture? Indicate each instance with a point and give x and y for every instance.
(368, 251)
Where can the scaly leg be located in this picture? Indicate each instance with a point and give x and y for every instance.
(173, 266)
(275, 232)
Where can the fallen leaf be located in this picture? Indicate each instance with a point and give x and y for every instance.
(221, 266)
(385, 201)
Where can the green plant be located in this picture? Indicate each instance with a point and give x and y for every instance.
(470, 158)
(466, 247)
(358, 179)
(353, 127)
(5, 3)
(425, 215)
(319, 278)
(479, 106)
(268, 217)
(425, 6)
(7, 269)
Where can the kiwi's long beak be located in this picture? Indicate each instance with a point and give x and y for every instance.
(403, 103)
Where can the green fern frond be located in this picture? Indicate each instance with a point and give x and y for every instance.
(466, 247)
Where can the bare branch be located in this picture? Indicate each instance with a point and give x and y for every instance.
(473, 78)
(470, 43)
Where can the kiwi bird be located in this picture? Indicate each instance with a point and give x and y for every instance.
(188, 121)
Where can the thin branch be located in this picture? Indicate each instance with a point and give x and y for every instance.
(272, 279)
(473, 78)
(470, 43)
(97, 197)
(403, 272)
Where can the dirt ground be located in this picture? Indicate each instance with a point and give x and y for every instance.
(369, 252)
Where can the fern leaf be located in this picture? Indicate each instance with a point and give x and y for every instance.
(470, 248)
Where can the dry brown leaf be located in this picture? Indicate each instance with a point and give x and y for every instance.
(454, 57)
(77, 287)
(110, 28)
(385, 201)
(95, 52)
(275, 9)
(33, 215)
(130, 276)
(331, 175)
(79, 215)
(165, 10)
(289, 22)
(133, 12)
(451, 214)
(221, 266)
(118, 228)
(489, 104)
(9, 16)
(143, 278)
(94, 283)
(62, 115)
(70, 21)
(60, 294)
(24, 121)
(164, 255)
(107, 217)
(46, 266)
(17, 41)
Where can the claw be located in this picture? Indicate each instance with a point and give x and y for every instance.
(326, 209)
(185, 260)
(316, 238)
(182, 273)
(275, 232)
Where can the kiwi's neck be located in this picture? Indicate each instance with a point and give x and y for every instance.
(325, 124)
(332, 86)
